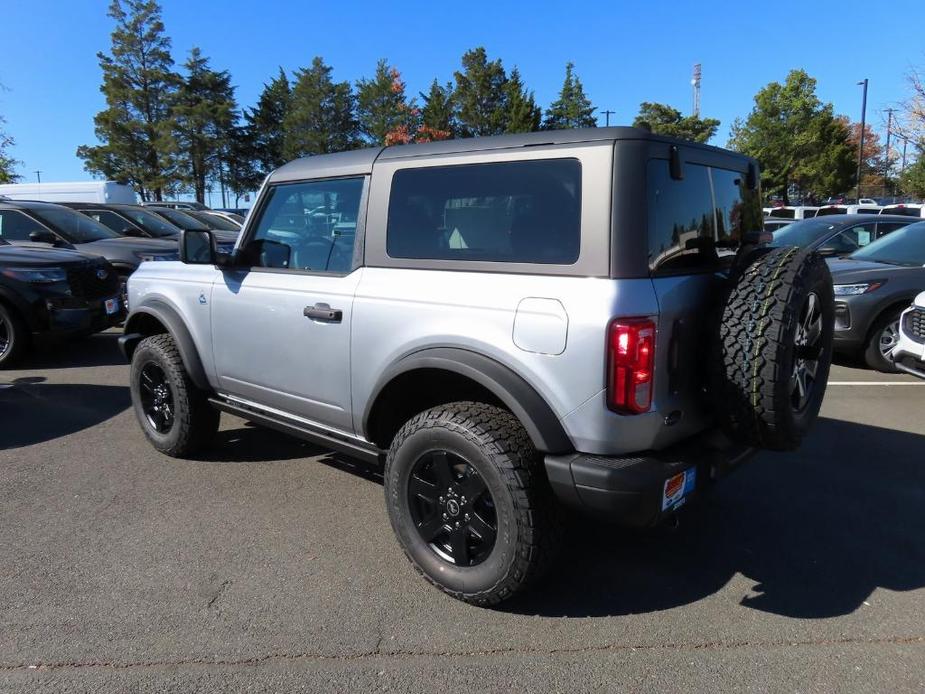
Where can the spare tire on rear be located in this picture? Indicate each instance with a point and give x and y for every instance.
(775, 347)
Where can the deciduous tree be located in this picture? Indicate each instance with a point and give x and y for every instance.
(7, 163)
(665, 120)
(135, 130)
(572, 109)
(796, 139)
(912, 182)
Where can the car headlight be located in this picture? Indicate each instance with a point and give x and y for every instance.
(37, 275)
(856, 289)
(153, 257)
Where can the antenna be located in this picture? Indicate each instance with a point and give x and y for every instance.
(695, 89)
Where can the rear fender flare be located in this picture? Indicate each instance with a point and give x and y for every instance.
(522, 399)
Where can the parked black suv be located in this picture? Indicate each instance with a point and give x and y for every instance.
(45, 225)
(53, 293)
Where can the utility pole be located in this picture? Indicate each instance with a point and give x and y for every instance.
(902, 170)
(861, 142)
(38, 176)
(607, 115)
(889, 127)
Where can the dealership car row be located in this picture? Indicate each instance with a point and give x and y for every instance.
(64, 266)
(876, 255)
(877, 258)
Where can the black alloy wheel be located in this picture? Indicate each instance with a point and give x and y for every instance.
(157, 401)
(6, 336)
(806, 355)
(451, 508)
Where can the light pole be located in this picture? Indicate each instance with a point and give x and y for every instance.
(861, 142)
(38, 176)
(889, 126)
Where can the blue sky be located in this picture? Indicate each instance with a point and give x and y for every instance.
(624, 52)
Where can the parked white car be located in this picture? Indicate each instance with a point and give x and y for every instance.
(908, 210)
(909, 354)
(848, 209)
(793, 212)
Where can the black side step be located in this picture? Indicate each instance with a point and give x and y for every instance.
(368, 453)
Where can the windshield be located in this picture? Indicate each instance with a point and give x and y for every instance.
(214, 221)
(805, 233)
(181, 219)
(904, 246)
(150, 222)
(72, 225)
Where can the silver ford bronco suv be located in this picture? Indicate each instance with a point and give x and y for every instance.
(510, 325)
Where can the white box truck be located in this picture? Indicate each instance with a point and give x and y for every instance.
(81, 191)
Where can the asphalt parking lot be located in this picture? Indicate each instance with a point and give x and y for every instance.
(271, 566)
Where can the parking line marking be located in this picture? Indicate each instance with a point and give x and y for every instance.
(875, 383)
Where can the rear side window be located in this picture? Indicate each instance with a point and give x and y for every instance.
(515, 212)
(696, 222)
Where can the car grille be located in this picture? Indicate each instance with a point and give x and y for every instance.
(86, 284)
(914, 324)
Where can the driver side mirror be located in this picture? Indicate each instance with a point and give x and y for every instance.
(828, 252)
(132, 231)
(43, 236)
(197, 247)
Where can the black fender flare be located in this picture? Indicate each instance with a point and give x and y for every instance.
(522, 399)
(170, 318)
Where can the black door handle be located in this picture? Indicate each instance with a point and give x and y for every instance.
(323, 312)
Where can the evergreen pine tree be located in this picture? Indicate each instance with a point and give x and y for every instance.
(263, 136)
(135, 129)
(438, 116)
(204, 116)
(480, 95)
(384, 114)
(320, 118)
(523, 115)
(572, 109)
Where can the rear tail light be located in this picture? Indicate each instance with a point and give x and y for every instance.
(630, 365)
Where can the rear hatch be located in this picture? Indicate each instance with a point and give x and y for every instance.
(695, 224)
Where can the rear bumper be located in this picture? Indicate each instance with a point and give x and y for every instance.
(643, 489)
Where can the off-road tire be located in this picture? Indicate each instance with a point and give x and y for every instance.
(752, 381)
(872, 356)
(19, 337)
(493, 442)
(195, 422)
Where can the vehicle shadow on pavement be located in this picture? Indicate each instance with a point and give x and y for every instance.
(32, 411)
(96, 350)
(254, 444)
(815, 531)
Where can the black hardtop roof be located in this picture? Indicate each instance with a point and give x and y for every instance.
(361, 160)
